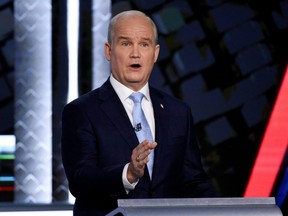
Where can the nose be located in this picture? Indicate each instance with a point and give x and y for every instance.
(135, 52)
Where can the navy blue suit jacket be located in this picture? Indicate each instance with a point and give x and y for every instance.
(97, 142)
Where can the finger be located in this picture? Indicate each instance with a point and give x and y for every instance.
(142, 158)
(138, 158)
(152, 145)
(141, 150)
(134, 172)
(140, 166)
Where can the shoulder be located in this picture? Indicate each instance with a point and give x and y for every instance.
(168, 99)
(84, 99)
(94, 97)
(172, 105)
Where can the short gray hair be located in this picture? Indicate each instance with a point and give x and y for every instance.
(114, 20)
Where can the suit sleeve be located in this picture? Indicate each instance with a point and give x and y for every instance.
(80, 159)
(196, 181)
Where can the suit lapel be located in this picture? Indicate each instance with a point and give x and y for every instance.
(114, 109)
(161, 116)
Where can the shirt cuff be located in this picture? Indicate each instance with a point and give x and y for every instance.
(127, 185)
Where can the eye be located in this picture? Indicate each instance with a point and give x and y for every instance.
(145, 44)
(125, 44)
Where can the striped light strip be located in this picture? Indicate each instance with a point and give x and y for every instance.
(7, 143)
(7, 156)
(6, 188)
(73, 35)
(273, 147)
(37, 213)
(7, 178)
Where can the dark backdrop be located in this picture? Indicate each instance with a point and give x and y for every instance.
(226, 59)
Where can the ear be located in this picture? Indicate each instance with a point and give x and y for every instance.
(156, 52)
(107, 51)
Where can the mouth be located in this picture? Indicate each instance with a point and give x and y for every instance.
(135, 66)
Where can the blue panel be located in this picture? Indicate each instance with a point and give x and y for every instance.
(5, 90)
(243, 36)
(281, 20)
(283, 188)
(8, 122)
(208, 104)
(2, 2)
(191, 32)
(191, 59)
(253, 86)
(168, 20)
(147, 4)
(203, 104)
(164, 49)
(6, 22)
(121, 6)
(230, 15)
(213, 2)
(8, 51)
(253, 58)
(157, 80)
(219, 131)
(192, 87)
(253, 110)
(182, 5)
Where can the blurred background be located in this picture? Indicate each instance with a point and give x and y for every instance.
(226, 59)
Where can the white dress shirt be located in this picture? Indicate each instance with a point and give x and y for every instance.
(123, 93)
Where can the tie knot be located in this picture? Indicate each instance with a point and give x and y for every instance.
(136, 97)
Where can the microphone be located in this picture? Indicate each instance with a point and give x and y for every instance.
(138, 127)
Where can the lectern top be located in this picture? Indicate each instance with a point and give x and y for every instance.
(196, 202)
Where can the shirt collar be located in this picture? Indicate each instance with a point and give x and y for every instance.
(124, 92)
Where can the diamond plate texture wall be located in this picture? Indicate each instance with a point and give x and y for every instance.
(100, 21)
(33, 168)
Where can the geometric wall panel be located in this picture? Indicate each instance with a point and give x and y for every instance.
(168, 20)
(245, 35)
(254, 111)
(6, 22)
(219, 131)
(224, 58)
(147, 4)
(229, 15)
(281, 17)
(33, 101)
(222, 101)
(191, 32)
(100, 20)
(199, 57)
(253, 58)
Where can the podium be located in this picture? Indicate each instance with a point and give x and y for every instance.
(197, 207)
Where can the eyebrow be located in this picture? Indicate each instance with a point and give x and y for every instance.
(128, 38)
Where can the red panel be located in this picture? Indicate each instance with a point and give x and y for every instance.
(273, 147)
(6, 188)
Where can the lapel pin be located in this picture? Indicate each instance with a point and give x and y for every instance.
(162, 106)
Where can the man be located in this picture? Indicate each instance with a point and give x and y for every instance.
(102, 156)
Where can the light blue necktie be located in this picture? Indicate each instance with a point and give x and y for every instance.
(141, 125)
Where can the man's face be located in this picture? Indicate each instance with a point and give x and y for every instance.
(132, 52)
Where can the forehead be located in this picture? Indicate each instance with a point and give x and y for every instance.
(134, 26)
